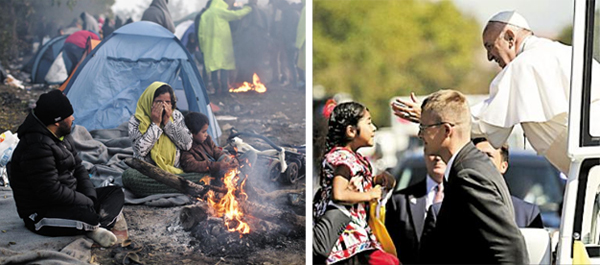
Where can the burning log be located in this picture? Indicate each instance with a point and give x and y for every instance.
(288, 197)
(296, 222)
(277, 195)
(177, 182)
(264, 218)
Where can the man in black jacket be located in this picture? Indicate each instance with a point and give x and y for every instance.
(477, 210)
(52, 189)
(527, 215)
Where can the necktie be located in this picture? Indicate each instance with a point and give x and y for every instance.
(439, 193)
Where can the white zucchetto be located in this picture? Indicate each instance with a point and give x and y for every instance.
(512, 18)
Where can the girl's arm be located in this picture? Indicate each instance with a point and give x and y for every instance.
(342, 193)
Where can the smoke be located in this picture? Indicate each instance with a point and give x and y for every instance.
(48, 17)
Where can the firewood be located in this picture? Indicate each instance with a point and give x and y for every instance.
(177, 182)
(274, 215)
(274, 196)
(278, 219)
(193, 214)
(263, 226)
(280, 194)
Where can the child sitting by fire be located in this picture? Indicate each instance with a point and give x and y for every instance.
(204, 156)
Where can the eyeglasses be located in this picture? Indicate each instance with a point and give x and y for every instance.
(424, 127)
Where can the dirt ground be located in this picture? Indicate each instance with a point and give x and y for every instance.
(156, 234)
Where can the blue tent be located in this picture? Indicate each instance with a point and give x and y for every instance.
(189, 33)
(105, 88)
(39, 65)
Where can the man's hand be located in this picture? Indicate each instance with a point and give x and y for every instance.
(408, 110)
(156, 113)
(385, 179)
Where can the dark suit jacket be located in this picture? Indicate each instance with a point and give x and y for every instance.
(404, 219)
(527, 215)
(476, 221)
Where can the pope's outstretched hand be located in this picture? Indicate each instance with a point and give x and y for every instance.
(409, 110)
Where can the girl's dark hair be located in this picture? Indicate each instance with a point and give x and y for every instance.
(195, 121)
(343, 115)
(166, 89)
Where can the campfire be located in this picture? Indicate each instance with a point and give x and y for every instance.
(228, 206)
(236, 219)
(256, 86)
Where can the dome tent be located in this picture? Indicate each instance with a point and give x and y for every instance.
(106, 86)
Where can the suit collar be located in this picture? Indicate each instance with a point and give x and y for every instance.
(450, 162)
(417, 213)
(458, 157)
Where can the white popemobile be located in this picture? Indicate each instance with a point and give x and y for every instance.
(578, 240)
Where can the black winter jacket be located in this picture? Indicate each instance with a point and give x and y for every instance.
(46, 172)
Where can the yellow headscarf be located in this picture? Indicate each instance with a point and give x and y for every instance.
(164, 151)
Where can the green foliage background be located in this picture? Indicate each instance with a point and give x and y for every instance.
(375, 50)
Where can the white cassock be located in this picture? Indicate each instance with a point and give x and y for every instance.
(532, 90)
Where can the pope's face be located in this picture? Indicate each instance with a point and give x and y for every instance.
(499, 47)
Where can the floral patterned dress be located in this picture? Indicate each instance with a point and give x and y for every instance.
(357, 237)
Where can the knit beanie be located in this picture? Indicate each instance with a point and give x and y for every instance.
(53, 107)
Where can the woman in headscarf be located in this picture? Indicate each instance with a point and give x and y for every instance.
(158, 133)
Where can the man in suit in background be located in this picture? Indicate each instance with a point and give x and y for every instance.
(406, 210)
(527, 215)
(477, 210)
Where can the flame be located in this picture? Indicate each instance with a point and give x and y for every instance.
(228, 206)
(255, 86)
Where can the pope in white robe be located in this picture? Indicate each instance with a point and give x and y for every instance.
(532, 90)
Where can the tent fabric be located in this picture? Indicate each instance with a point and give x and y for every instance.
(44, 58)
(182, 28)
(58, 71)
(105, 88)
(90, 45)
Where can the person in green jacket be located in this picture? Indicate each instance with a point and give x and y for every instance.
(214, 36)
